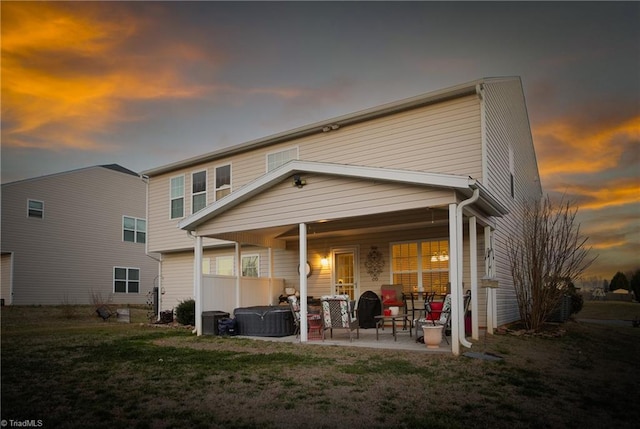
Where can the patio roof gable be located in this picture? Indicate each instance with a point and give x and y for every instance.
(266, 181)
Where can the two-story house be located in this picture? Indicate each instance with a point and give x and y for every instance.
(422, 192)
(76, 237)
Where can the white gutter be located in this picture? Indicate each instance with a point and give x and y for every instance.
(460, 300)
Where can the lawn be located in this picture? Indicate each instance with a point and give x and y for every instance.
(65, 368)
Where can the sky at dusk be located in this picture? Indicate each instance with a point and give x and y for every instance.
(143, 84)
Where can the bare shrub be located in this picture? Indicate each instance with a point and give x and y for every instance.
(97, 300)
(69, 311)
(546, 258)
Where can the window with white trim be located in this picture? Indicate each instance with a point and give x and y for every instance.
(35, 209)
(134, 230)
(177, 197)
(276, 159)
(251, 265)
(198, 191)
(126, 280)
(224, 265)
(421, 265)
(223, 181)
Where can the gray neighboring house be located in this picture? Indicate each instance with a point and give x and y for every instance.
(76, 235)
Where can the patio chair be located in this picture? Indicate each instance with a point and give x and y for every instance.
(412, 302)
(105, 312)
(295, 309)
(391, 296)
(338, 313)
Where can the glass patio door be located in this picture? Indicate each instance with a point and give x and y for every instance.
(345, 273)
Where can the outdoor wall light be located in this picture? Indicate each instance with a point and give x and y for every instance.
(324, 262)
(299, 182)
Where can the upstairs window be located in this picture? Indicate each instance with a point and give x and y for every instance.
(198, 191)
(134, 230)
(276, 159)
(35, 209)
(126, 280)
(177, 197)
(223, 181)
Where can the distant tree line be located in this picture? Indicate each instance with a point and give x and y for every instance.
(631, 282)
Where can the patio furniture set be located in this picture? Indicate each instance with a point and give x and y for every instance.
(392, 307)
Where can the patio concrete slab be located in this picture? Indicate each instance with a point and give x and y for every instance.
(367, 339)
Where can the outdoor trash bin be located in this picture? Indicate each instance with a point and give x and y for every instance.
(210, 321)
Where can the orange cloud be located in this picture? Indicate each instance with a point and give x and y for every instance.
(66, 74)
(608, 194)
(571, 147)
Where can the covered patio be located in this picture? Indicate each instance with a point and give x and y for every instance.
(304, 205)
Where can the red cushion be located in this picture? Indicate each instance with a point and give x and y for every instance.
(436, 309)
(388, 295)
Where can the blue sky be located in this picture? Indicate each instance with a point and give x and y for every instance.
(144, 84)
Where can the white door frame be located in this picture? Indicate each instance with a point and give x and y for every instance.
(355, 250)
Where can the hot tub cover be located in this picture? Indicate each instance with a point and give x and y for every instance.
(264, 321)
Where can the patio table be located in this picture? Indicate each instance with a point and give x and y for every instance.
(404, 317)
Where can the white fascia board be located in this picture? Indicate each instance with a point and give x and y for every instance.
(300, 167)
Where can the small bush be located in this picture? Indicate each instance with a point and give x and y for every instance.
(186, 312)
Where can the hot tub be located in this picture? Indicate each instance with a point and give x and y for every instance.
(264, 321)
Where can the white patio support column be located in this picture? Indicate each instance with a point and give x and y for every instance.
(270, 274)
(303, 283)
(198, 283)
(454, 260)
(238, 273)
(489, 274)
(473, 264)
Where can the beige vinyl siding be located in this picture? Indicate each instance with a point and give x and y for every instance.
(177, 279)
(507, 126)
(324, 197)
(70, 254)
(440, 138)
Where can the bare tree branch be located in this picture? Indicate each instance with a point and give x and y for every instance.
(549, 254)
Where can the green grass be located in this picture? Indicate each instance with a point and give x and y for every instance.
(609, 310)
(73, 370)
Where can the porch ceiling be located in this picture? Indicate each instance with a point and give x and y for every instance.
(357, 225)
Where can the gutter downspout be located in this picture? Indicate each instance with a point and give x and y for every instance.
(459, 238)
(145, 179)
